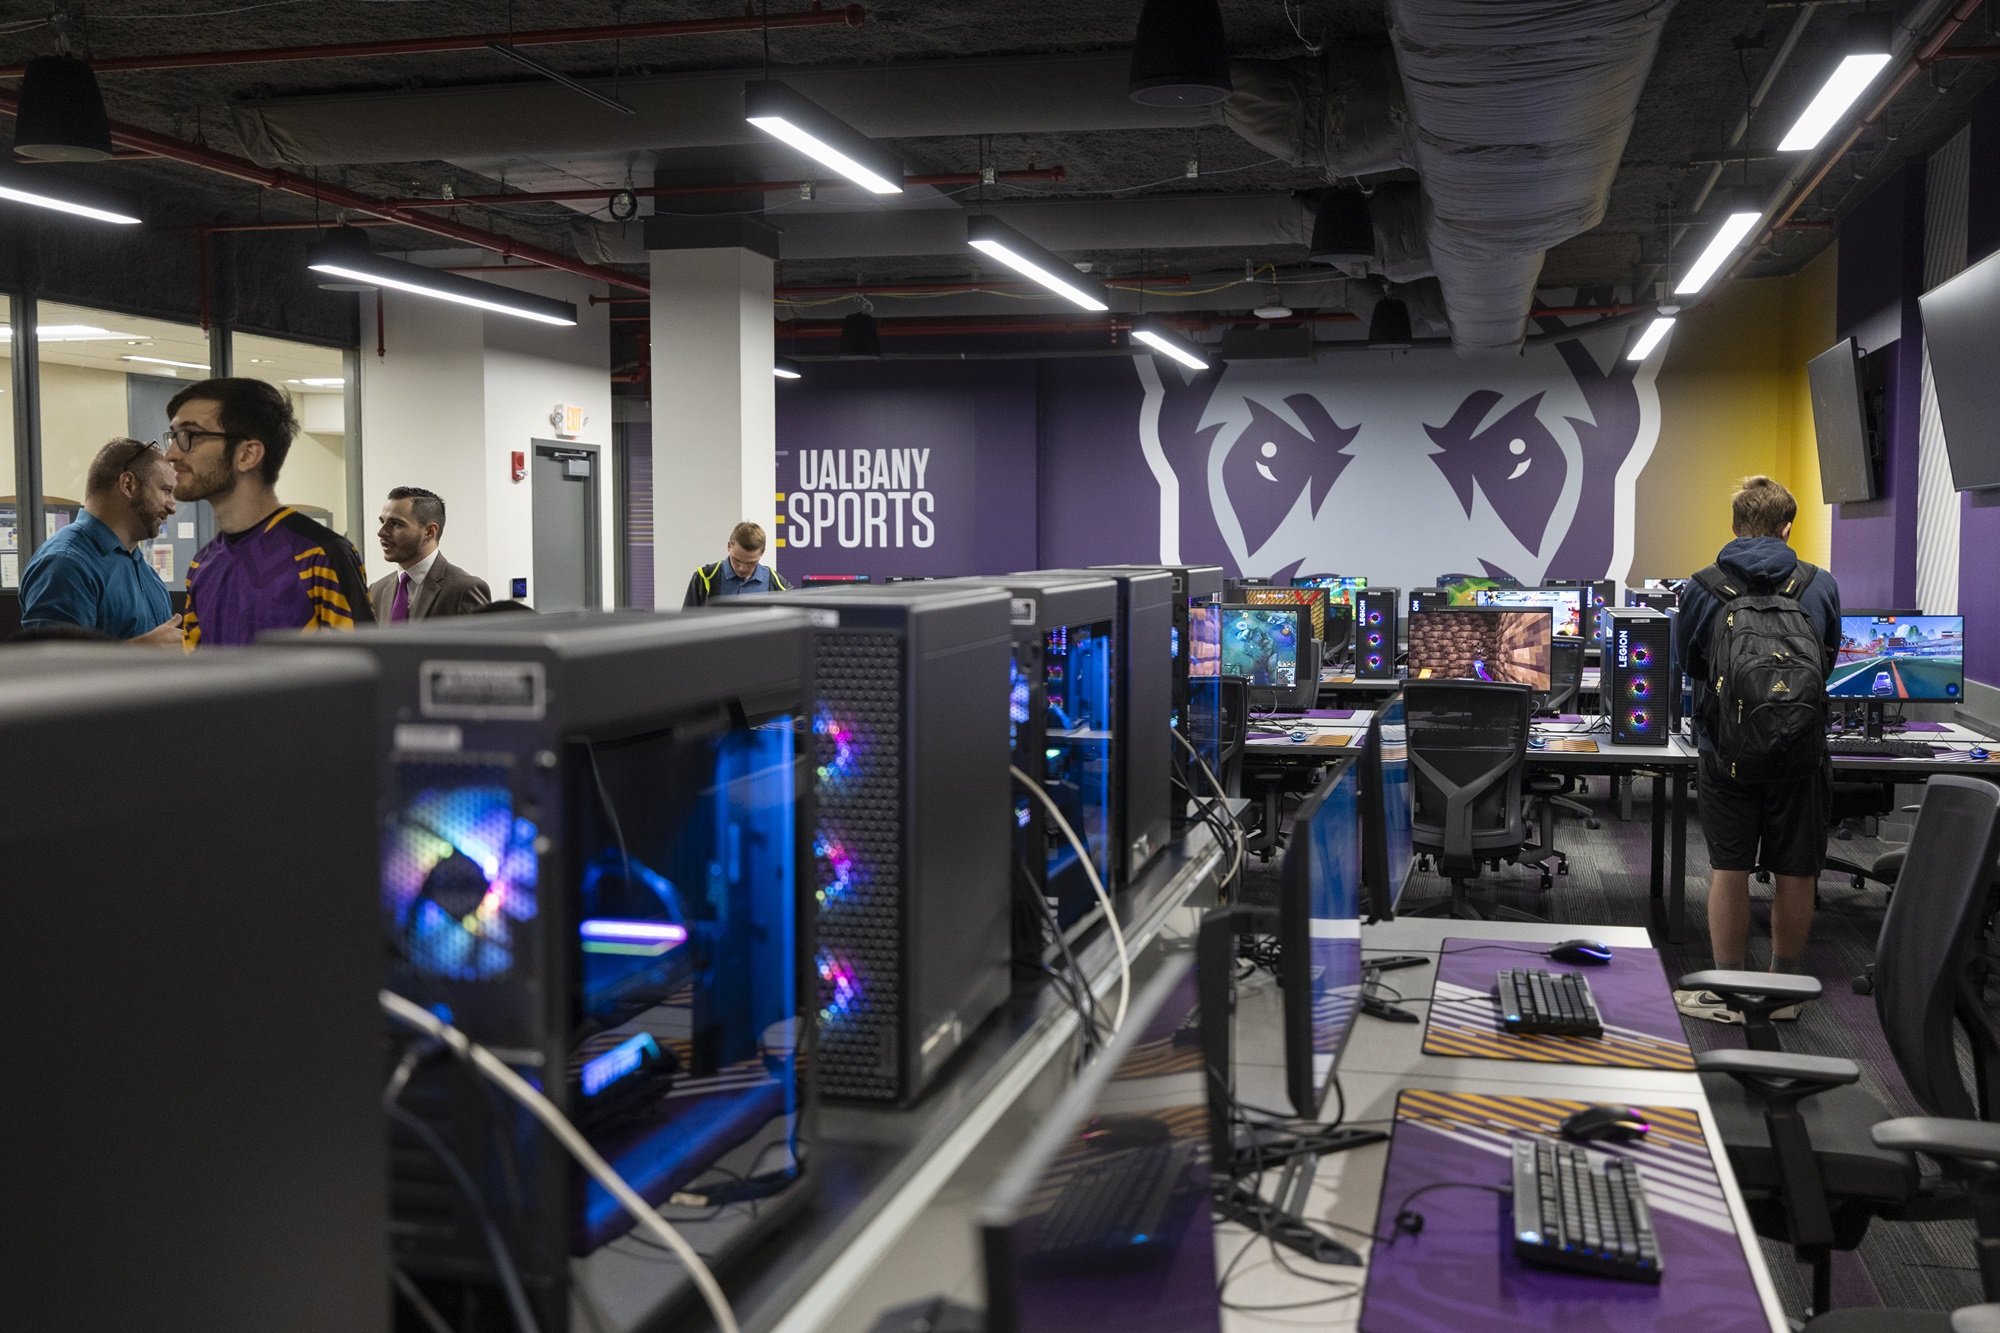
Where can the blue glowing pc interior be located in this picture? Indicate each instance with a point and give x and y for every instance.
(595, 858)
(1103, 1220)
(1918, 658)
(1386, 847)
(1319, 932)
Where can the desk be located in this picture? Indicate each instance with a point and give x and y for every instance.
(1382, 1059)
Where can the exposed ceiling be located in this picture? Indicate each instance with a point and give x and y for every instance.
(509, 130)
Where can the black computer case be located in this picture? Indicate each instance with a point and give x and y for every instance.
(1641, 683)
(1197, 714)
(1375, 633)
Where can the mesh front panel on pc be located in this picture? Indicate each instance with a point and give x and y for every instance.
(1918, 658)
(594, 853)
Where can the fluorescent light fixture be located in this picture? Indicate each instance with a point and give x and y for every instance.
(993, 237)
(1743, 216)
(162, 361)
(1170, 344)
(70, 333)
(780, 112)
(786, 369)
(42, 190)
(1864, 49)
(1655, 333)
(342, 258)
(317, 383)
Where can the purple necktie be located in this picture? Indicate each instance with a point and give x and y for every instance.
(400, 608)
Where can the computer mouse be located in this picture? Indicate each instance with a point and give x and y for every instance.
(1976, 752)
(1616, 1124)
(1538, 742)
(1590, 953)
(1300, 736)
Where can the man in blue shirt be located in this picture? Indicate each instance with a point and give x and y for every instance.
(91, 574)
(738, 576)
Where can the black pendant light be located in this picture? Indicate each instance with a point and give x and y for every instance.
(1180, 56)
(1389, 326)
(860, 336)
(1343, 231)
(61, 116)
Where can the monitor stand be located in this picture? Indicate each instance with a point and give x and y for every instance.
(1871, 725)
(1371, 972)
(1282, 1218)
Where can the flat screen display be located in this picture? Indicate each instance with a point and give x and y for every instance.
(1464, 589)
(1486, 643)
(1841, 424)
(1386, 835)
(1961, 329)
(1564, 604)
(1261, 644)
(1313, 599)
(1899, 657)
(1340, 588)
(1319, 908)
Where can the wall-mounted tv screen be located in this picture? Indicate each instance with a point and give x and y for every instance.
(1843, 424)
(1961, 329)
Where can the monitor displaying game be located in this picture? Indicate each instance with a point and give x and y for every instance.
(1340, 588)
(1313, 599)
(1261, 644)
(1464, 589)
(1566, 604)
(1486, 643)
(1900, 657)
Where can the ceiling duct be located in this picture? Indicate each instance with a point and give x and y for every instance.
(1340, 112)
(1521, 114)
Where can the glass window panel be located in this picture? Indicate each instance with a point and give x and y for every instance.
(10, 507)
(315, 477)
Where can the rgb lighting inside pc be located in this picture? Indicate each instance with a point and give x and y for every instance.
(1076, 774)
(459, 872)
(836, 748)
(1640, 720)
(840, 989)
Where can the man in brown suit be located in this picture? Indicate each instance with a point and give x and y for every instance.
(426, 583)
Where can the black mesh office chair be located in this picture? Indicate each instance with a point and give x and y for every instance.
(1798, 1128)
(1468, 757)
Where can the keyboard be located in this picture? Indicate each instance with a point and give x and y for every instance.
(1583, 1210)
(1861, 745)
(1550, 1004)
(1112, 1205)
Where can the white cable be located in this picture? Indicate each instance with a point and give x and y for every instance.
(511, 1083)
(1222, 803)
(1097, 886)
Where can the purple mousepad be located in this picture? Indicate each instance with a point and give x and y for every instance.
(1925, 726)
(1330, 712)
(1642, 1029)
(1460, 1272)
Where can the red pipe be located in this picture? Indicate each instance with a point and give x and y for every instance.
(718, 187)
(850, 16)
(339, 197)
(1967, 53)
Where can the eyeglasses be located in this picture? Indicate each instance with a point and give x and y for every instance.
(140, 448)
(185, 438)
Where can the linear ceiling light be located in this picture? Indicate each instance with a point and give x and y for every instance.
(1010, 247)
(1655, 333)
(825, 138)
(1168, 343)
(1864, 52)
(786, 369)
(1744, 214)
(67, 196)
(162, 361)
(341, 257)
(73, 333)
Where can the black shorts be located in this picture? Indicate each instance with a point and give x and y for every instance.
(1778, 826)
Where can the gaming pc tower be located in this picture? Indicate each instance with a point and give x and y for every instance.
(1641, 684)
(1600, 595)
(1428, 599)
(593, 855)
(1197, 698)
(189, 965)
(912, 845)
(1375, 633)
(1143, 749)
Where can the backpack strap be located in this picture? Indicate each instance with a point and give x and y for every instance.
(707, 573)
(1717, 582)
(778, 583)
(1798, 580)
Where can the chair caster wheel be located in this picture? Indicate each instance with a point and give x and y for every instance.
(1863, 985)
(1548, 881)
(1858, 881)
(1592, 823)
(1562, 867)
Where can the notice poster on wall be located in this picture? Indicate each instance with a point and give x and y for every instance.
(160, 555)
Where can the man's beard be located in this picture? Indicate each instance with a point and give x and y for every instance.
(205, 484)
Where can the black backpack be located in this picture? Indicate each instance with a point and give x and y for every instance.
(1764, 702)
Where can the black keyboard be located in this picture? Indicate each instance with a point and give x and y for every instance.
(1110, 1206)
(1550, 1004)
(1583, 1210)
(1861, 745)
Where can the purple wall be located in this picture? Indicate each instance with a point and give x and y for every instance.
(1880, 275)
(1091, 512)
(1979, 515)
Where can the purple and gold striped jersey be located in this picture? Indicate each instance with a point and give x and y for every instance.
(286, 572)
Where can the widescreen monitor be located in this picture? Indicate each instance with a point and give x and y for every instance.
(1463, 589)
(1313, 599)
(1486, 643)
(1841, 424)
(1261, 644)
(1919, 658)
(1339, 587)
(1057, 1258)
(1961, 329)
(1565, 604)
(1319, 934)
(1386, 847)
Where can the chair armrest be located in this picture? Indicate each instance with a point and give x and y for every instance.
(1778, 1074)
(1782, 987)
(1976, 1319)
(1967, 1140)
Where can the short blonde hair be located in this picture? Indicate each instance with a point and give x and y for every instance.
(1761, 508)
(748, 536)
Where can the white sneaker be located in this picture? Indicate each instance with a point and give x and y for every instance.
(1705, 1005)
(1788, 1014)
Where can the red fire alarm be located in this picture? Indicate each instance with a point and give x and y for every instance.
(520, 465)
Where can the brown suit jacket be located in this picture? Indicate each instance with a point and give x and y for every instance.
(447, 591)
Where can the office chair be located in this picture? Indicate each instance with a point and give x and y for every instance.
(1468, 758)
(1808, 1146)
(1551, 790)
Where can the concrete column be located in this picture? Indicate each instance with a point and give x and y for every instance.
(714, 412)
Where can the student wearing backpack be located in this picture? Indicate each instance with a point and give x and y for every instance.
(1756, 633)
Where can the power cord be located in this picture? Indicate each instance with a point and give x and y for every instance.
(511, 1083)
(1097, 887)
(1222, 798)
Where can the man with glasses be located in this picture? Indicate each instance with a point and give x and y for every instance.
(270, 567)
(90, 575)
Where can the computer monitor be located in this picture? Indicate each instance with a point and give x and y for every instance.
(1319, 933)
(1463, 589)
(1387, 852)
(830, 580)
(1059, 1254)
(1484, 643)
(1918, 658)
(1339, 587)
(1267, 647)
(1313, 599)
(1427, 599)
(1566, 605)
